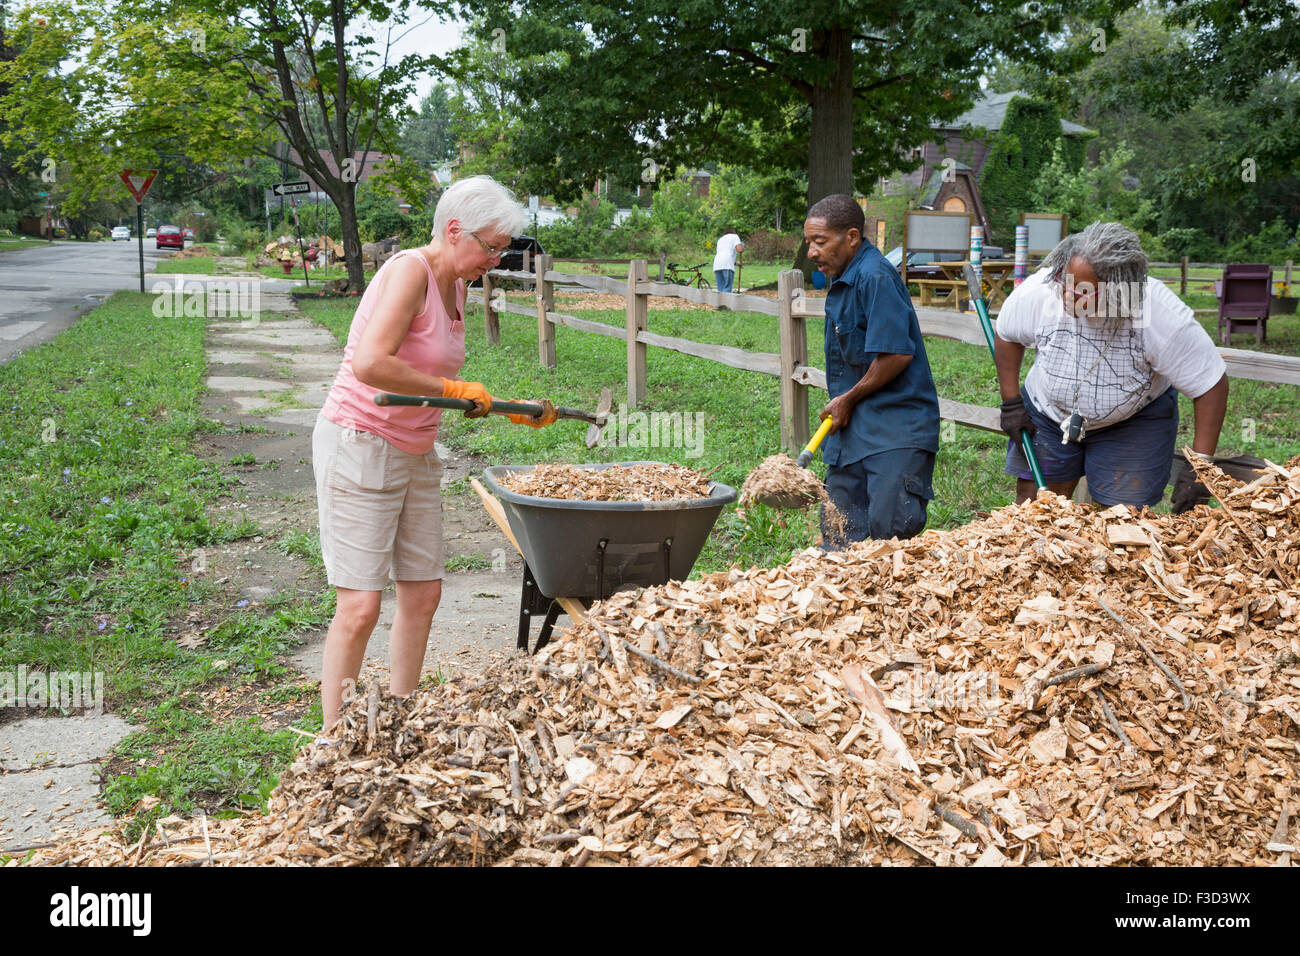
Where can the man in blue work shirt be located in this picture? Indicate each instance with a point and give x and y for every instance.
(880, 452)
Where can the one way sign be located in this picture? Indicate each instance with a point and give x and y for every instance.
(288, 189)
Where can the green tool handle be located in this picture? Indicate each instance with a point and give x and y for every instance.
(982, 310)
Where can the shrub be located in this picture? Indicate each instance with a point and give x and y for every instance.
(1273, 244)
(763, 245)
(1190, 242)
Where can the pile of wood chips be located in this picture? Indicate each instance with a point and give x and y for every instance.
(1051, 685)
(645, 482)
(779, 480)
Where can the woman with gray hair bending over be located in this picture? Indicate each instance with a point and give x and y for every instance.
(377, 474)
(1114, 348)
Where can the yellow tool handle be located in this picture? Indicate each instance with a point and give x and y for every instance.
(810, 449)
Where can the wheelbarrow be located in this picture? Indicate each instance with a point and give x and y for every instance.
(579, 552)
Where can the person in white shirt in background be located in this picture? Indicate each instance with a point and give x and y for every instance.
(1114, 348)
(724, 260)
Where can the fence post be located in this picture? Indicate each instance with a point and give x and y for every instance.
(1182, 282)
(663, 267)
(545, 303)
(638, 306)
(794, 353)
(1288, 275)
(491, 320)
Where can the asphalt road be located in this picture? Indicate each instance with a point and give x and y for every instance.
(45, 289)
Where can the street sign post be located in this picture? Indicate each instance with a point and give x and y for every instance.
(138, 182)
(288, 189)
(297, 227)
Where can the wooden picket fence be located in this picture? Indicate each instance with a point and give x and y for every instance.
(791, 366)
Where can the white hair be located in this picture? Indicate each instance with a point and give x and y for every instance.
(479, 203)
(1115, 254)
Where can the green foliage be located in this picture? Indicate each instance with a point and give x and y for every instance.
(1274, 243)
(609, 85)
(750, 199)
(1025, 144)
(1091, 195)
(585, 236)
(1190, 242)
(427, 138)
(378, 215)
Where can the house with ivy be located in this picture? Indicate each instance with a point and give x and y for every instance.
(985, 161)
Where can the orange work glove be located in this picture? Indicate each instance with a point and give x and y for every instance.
(548, 416)
(474, 391)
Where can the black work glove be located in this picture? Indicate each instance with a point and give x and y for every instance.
(1188, 492)
(1015, 417)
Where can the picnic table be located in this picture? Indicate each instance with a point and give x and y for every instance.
(998, 273)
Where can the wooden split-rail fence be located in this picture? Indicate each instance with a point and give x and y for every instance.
(791, 365)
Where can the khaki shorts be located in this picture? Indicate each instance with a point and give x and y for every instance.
(380, 509)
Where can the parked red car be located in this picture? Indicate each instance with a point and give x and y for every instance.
(169, 237)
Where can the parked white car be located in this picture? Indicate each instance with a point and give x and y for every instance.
(121, 232)
(150, 232)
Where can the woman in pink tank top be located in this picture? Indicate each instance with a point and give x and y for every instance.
(377, 475)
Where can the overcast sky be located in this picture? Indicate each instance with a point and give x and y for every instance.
(433, 36)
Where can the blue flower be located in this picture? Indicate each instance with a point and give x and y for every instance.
(103, 624)
(128, 401)
(106, 500)
(67, 471)
(241, 604)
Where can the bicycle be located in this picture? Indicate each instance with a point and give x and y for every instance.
(687, 275)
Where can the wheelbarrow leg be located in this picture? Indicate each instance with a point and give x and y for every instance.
(548, 625)
(526, 604)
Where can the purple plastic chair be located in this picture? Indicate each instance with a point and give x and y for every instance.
(1244, 296)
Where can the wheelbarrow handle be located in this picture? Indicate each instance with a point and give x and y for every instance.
(499, 407)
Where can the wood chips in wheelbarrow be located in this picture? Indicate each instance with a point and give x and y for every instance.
(1052, 685)
(642, 482)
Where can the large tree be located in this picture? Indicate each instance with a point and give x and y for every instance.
(99, 89)
(427, 138)
(841, 90)
(1205, 110)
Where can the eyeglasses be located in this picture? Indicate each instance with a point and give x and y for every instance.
(492, 253)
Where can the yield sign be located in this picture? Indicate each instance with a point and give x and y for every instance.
(138, 181)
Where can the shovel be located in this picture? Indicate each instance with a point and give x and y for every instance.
(596, 419)
(982, 310)
(795, 499)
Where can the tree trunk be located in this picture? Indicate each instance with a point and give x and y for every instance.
(830, 141)
(347, 204)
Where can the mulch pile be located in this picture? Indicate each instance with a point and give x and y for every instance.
(649, 482)
(1051, 685)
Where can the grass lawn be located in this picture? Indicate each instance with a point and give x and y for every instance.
(317, 275)
(200, 265)
(9, 245)
(104, 516)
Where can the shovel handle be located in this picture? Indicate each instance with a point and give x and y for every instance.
(499, 406)
(805, 456)
(982, 310)
(464, 404)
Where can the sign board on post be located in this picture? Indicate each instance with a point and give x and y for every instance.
(138, 182)
(288, 189)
